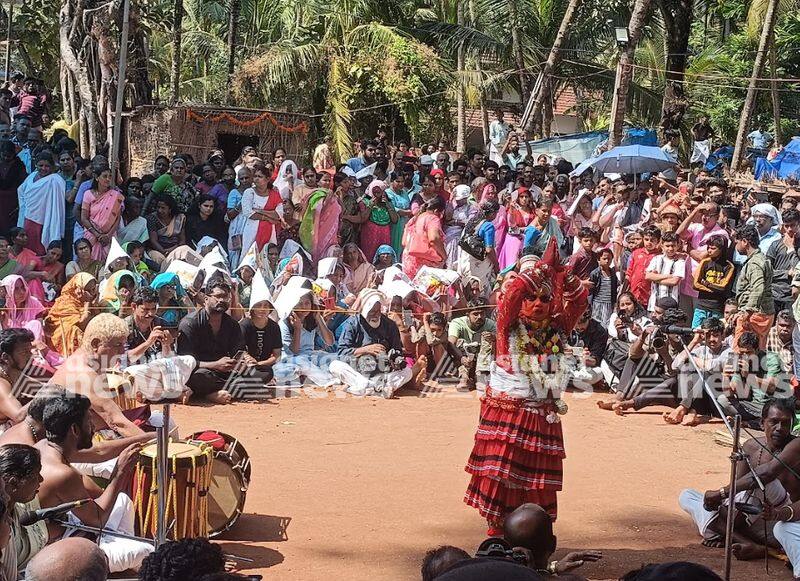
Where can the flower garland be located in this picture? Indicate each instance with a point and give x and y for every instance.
(527, 348)
(265, 116)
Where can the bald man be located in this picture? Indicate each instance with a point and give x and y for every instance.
(72, 559)
(530, 528)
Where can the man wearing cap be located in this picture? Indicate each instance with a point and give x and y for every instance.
(371, 351)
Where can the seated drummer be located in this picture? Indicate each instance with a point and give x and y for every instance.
(68, 424)
(31, 430)
(84, 372)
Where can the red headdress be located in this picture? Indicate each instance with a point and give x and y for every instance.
(569, 298)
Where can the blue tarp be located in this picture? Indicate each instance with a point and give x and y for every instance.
(578, 147)
(785, 165)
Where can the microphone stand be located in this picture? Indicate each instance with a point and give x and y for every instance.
(101, 531)
(737, 455)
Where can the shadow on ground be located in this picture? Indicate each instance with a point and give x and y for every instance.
(258, 528)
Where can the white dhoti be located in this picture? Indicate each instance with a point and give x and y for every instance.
(313, 367)
(122, 554)
(700, 151)
(382, 384)
(788, 535)
(691, 501)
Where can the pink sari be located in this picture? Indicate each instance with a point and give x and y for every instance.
(512, 245)
(25, 315)
(417, 249)
(29, 259)
(104, 212)
(326, 225)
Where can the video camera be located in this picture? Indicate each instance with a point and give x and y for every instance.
(497, 548)
(670, 325)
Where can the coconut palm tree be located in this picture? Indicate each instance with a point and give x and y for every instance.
(336, 56)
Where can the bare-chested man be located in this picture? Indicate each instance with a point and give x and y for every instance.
(31, 430)
(709, 510)
(16, 348)
(84, 372)
(68, 424)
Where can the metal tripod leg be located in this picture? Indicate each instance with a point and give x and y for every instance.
(162, 464)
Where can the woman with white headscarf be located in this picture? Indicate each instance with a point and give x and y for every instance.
(287, 178)
(302, 325)
(456, 217)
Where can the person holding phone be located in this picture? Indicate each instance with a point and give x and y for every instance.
(150, 337)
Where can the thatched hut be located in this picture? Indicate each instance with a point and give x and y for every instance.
(197, 130)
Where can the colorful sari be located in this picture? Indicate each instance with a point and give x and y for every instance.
(104, 212)
(21, 316)
(10, 267)
(400, 201)
(262, 232)
(358, 278)
(319, 227)
(416, 241)
(377, 230)
(30, 261)
(62, 321)
(110, 292)
(517, 219)
(169, 235)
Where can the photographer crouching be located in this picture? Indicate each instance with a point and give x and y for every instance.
(371, 351)
(650, 358)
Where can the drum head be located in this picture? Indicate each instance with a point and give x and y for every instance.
(226, 496)
(183, 453)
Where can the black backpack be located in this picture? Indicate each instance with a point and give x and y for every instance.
(473, 244)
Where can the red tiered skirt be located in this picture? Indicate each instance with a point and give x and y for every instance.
(517, 458)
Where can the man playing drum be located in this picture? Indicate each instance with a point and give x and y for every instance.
(68, 424)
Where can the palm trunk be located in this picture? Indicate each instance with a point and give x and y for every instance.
(516, 49)
(639, 17)
(175, 77)
(776, 101)
(461, 112)
(552, 60)
(758, 66)
(233, 32)
(481, 93)
(677, 15)
(547, 110)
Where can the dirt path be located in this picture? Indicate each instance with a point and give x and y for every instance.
(367, 486)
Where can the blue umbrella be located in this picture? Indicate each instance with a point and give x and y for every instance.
(632, 159)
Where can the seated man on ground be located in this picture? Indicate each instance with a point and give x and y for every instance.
(650, 356)
(73, 559)
(31, 430)
(750, 377)
(530, 529)
(588, 340)
(372, 361)
(214, 339)
(685, 391)
(68, 425)
(16, 349)
(473, 335)
(85, 372)
(709, 511)
(442, 358)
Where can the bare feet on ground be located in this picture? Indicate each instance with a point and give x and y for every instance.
(420, 371)
(220, 397)
(747, 551)
(715, 543)
(621, 407)
(606, 405)
(694, 419)
(674, 417)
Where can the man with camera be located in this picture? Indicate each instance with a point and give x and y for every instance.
(684, 391)
(371, 351)
(651, 355)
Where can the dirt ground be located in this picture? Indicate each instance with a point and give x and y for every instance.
(359, 489)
